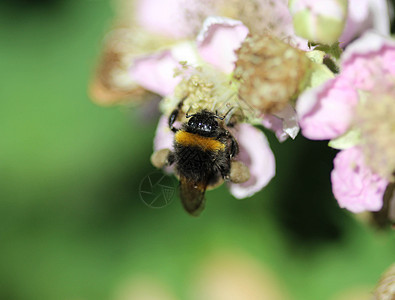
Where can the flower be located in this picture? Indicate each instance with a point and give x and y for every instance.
(356, 110)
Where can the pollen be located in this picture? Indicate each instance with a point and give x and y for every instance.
(375, 118)
(204, 88)
(199, 90)
(270, 71)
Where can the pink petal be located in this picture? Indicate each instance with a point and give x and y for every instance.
(368, 60)
(164, 136)
(325, 112)
(164, 139)
(218, 40)
(354, 185)
(156, 72)
(256, 154)
(364, 15)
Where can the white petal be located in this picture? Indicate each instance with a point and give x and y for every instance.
(290, 121)
(163, 136)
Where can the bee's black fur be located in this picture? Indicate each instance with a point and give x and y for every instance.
(196, 164)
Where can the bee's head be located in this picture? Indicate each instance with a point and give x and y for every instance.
(203, 123)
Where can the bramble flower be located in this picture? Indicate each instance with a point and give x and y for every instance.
(172, 49)
(356, 110)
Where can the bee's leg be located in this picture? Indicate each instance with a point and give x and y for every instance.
(172, 118)
(225, 172)
(223, 168)
(174, 115)
(234, 147)
(171, 158)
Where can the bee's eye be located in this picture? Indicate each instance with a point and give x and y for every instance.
(191, 122)
(202, 124)
(207, 127)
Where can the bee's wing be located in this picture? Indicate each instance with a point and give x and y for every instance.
(192, 195)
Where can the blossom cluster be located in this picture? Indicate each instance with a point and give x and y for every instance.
(326, 68)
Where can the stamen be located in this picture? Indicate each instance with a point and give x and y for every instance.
(206, 88)
(375, 118)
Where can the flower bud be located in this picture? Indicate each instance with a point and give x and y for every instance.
(319, 21)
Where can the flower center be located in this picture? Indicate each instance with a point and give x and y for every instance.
(376, 121)
(271, 72)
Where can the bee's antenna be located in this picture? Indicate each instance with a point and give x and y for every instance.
(228, 111)
(227, 120)
(223, 117)
(187, 114)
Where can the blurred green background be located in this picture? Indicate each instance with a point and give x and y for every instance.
(72, 225)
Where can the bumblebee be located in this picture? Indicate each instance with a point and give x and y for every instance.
(203, 152)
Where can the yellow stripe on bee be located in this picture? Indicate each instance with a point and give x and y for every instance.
(194, 140)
